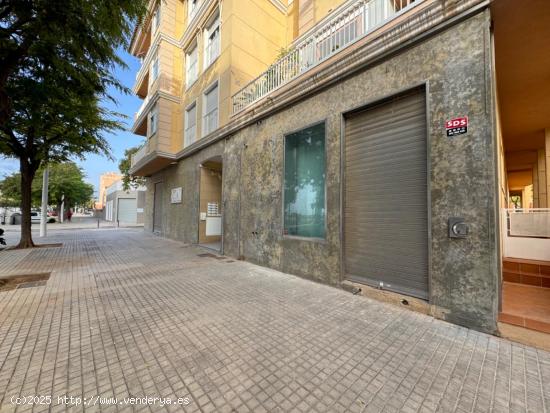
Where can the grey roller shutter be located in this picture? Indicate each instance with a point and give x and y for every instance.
(385, 196)
(127, 210)
(157, 208)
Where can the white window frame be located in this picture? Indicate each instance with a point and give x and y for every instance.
(155, 68)
(153, 121)
(212, 26)
(155, 20)
(208, 90)
(190, 80)
(187, 140)
(192, 11)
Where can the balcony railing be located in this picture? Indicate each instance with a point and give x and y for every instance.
(526, 233)
(348, 25)
(139, 154)
(533, 222)
(142, 107)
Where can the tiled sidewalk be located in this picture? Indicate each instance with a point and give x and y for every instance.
(127, 314)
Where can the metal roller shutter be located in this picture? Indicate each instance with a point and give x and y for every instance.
(127, 210)
(385, 196)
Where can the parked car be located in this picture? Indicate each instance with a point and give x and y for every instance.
(35, 217)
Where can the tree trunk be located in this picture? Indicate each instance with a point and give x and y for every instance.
(27, 176)
(5, 106)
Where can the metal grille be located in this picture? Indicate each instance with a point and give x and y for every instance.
(345, 27)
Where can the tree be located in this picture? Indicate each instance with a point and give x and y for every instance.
(56, 63)
(129, 181)
(75, 30)
(10, 191)
(66, 183)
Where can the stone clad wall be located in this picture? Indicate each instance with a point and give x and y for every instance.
(455, 66)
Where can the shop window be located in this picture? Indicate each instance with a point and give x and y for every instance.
(304, 183)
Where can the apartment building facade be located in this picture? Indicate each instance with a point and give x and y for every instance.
(105, 180)
(358, 143)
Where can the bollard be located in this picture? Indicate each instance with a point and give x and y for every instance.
(98, 222)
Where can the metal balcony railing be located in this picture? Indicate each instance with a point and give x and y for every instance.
(349, 24)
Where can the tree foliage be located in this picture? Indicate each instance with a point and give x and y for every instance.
(56, 65)
(68, 34)
(10, 191)
(129, 181)
(66, 182)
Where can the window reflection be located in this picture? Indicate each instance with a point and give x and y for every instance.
(304, 186)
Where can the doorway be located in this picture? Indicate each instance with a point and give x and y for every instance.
(210, 204)
(522, 95)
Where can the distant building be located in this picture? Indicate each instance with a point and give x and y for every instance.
(105, 180)
(124, 206)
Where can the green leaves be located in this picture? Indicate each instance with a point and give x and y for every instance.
(10, 191)
(56, 64)
(64, 179)
(129, 181)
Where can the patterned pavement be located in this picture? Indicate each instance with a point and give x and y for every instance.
(132, 322)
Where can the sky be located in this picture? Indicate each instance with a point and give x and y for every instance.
(94, 165)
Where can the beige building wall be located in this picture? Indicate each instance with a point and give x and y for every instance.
(105, 180)
(542, 181)
(304, 14)
(522, 181)
(253, 48)
(252, 34)
(547, 165)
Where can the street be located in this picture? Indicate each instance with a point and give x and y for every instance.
(129, 321)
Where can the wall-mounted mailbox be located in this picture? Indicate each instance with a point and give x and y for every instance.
(458, 228)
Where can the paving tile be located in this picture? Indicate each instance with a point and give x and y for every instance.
(126, 314)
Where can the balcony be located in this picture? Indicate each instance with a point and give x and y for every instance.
(142, 40)
(140, 154)
(151, 157)
(142, 76)
(164, 86)
(342, 28)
